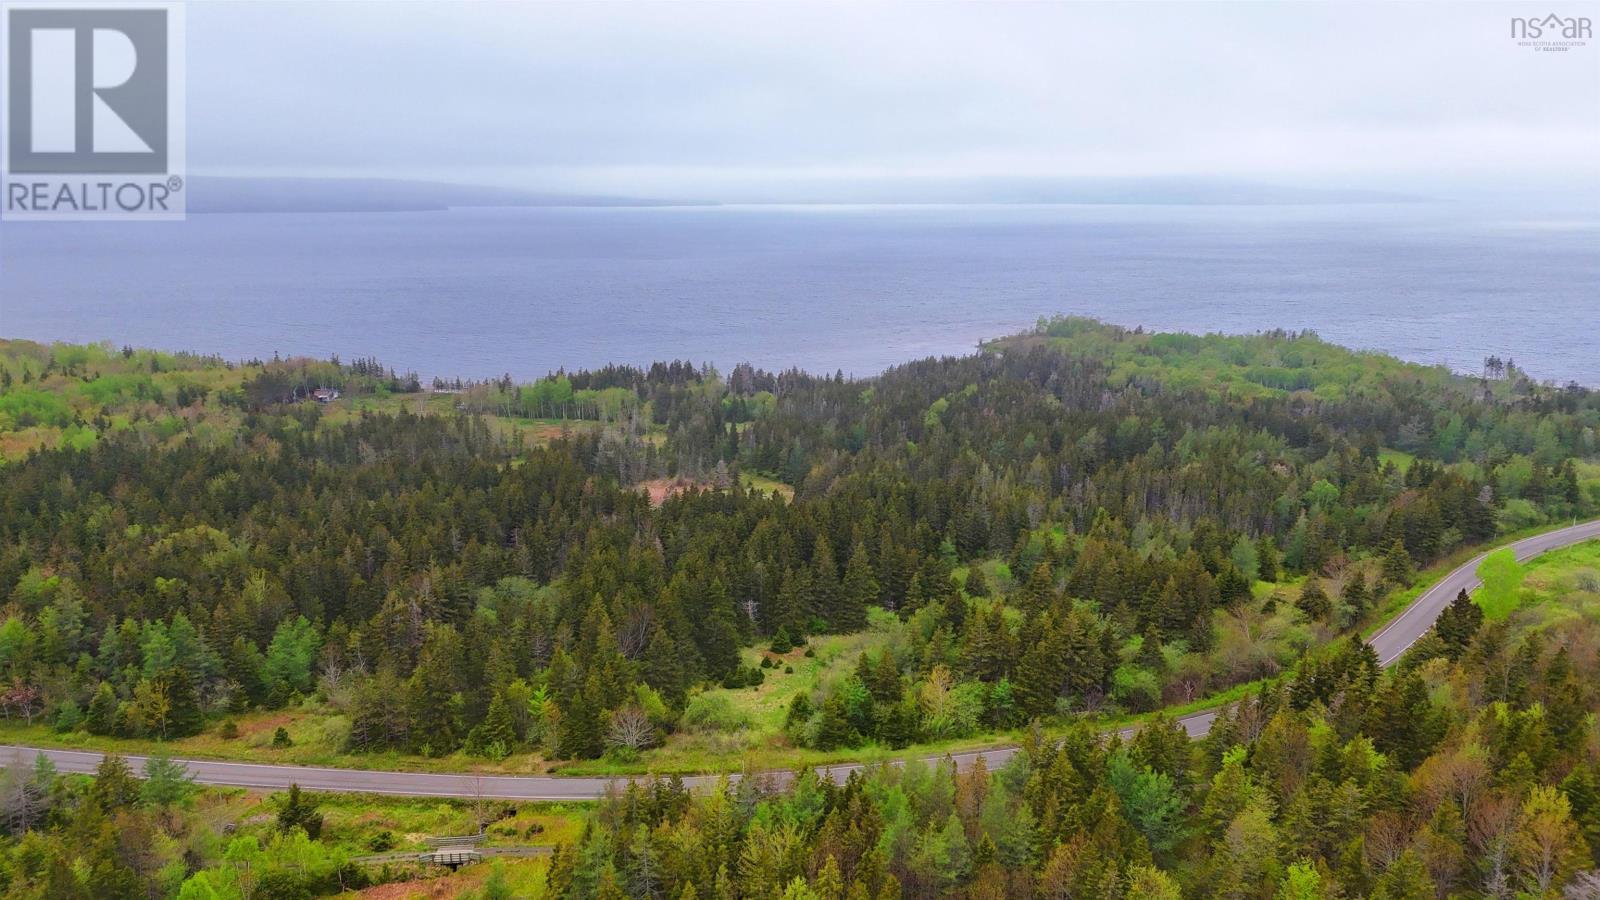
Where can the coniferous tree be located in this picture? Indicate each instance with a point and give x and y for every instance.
(827, 601)
(860, 590)
(114, 785)
(580, 735)
(1458, 623)
(1314, 600)
(298, 811)
(665, 666)
(433, 696)
(1355, 596)
(977, 584)
(1267, 560)
(496, 735)
(102, 715)
(185, 717)
(1398, 568)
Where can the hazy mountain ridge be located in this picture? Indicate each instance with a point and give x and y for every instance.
(230, 194)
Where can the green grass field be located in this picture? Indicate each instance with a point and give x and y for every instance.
(766, 485)
(1401, 459)
(1571, 575)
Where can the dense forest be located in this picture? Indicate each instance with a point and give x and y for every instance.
(449, 587)
(1470, 771)
(1083, 519)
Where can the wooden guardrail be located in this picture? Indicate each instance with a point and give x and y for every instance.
(459, 840)
(451, 858)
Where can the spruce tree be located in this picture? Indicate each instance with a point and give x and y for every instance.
(1397, 565)
(184, 717)
(297, 810)
(1039, 676)
(666, 667)
(827, 599)
(977, 585)
(1458, 623)
(114, 786)
(718, 635)
(433, 696)
(1314, 600)
(102, 717)
(496, 735)
(1355, 595)
(580, 732)
(1267, 566)
(860, 590)
(1039, 591)
(833, 726)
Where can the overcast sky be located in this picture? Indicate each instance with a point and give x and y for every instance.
(680, 98)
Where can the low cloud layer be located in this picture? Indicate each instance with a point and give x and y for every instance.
(696, 99)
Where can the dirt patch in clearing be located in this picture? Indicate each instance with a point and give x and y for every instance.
(429, 888)
(267, 723)
(660, 489)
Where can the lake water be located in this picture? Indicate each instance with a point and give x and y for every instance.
(480, 292)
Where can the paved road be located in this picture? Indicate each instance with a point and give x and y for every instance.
(1416, 619)
(1392, 641)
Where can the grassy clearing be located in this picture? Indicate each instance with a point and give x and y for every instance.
(529, 432)
(521, 877)
(1571, 575)
(1380, 615)
(364, 824)
(766, 485)
(1401, 459)
(317, 733)
(750, 719)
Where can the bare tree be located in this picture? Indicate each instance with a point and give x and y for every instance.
(1490, 829)
(631, 729)
(482, 815)
(633, 634)
(25, 795)
(1584, 886)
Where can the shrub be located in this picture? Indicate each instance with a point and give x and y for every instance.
(621, 755)
(335, 734)
(788, 670)
(1135, 688)
(383, 840)
(296, 810)
(1587, 580)
(68, 716)
(1518, 514)
(280, 739)
(713, 712)
(229, 730)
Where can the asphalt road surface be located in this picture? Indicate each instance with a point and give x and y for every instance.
(1390, 643)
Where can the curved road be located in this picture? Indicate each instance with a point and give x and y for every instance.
(1390, 643)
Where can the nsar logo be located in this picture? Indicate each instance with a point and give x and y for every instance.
(1552, 33)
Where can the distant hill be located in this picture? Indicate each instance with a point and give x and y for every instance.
(1020, 190)
(219, 194)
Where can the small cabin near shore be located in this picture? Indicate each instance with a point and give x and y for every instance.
(325, 395)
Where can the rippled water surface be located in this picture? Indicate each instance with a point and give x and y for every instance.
(479, 292)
